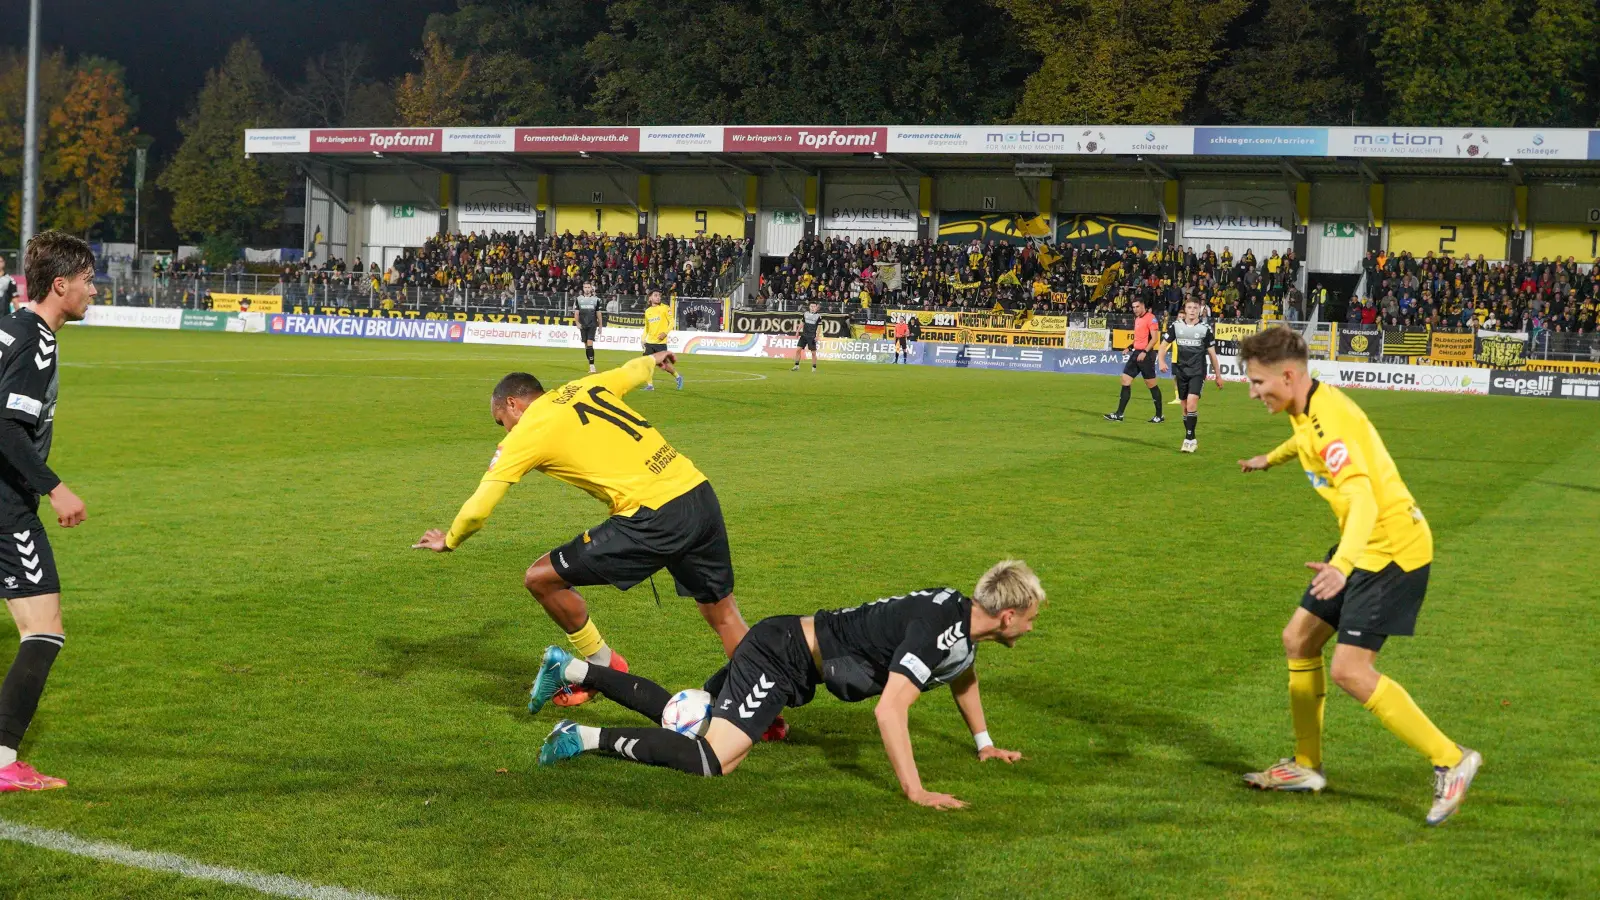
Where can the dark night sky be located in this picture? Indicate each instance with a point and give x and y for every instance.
(167, 45)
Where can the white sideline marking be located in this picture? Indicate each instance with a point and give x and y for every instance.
(274, 885)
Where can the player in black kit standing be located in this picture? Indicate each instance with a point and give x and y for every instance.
(60, 273)
(1194, 338)
(588, 320)
(894, 649)
(810, 321)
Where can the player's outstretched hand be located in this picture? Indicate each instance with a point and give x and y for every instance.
(666, 359)
(69, 508)
(1253, 464)
(432, 539)
(993, 752)
(936, 801)
(1328, 582)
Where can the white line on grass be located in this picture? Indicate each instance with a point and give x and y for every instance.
(274, 885)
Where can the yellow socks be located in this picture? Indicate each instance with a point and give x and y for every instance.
(589, 644)
(1400, 714)
(1308, 691)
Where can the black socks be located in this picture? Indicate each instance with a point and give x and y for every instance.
(661, 747)
(589, 352)
(637, 693)
(1122, 404)
(24, 684)
(1155, 394)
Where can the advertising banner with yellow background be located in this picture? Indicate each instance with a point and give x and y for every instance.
(1460, 239)
(1014, 228)
(1581, 242)
(1115, 232)
(246, 303)
(1234, 331)
(688, 221)
(1004, 337)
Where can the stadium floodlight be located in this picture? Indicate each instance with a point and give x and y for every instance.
(30, 140)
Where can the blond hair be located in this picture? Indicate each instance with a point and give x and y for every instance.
(1009, 585)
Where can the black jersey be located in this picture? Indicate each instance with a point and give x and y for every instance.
(588, 310)
(809, 323)
(925, 635)
(28, 386)
(1193, 341)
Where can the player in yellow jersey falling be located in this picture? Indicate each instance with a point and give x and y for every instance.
(657, 326)
(1371, 586)
(664, 513)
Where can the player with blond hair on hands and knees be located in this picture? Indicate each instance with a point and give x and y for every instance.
(1370, 587)
(60, 272)
(894, 649)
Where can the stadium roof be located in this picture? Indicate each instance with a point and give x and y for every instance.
(1159, 150)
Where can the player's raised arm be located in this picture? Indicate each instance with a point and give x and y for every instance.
(516, 455)
(965, 691)
(635, 373)
(893, 724)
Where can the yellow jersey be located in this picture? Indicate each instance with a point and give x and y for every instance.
(657, 322)
(582, 433)
(1349, 466)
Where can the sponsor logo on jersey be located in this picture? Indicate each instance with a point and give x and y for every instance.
(1336, 455)
(495, 458)
(1317, 481)
(916, 667)
(24, 403)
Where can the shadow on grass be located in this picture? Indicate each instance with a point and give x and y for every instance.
(1119, 726)
(477, 652)
(1125, 440)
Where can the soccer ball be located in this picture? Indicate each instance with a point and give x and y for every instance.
(688, 712)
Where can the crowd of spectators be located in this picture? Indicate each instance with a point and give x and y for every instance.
(520, 262)
(1038, 275)
(1444, 292)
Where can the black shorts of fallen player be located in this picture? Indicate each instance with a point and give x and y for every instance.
(27, 564)
(770, 669)
(1135, 368)
(1373, 606)
(686, 536)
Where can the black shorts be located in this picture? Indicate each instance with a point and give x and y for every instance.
(27, 564)
(808, 342)
(651, 349)
(686, 536)
(1188, 382)
(771, 669)
(587, 331)
(1135, 368)
(1373, 605)
(900, 342)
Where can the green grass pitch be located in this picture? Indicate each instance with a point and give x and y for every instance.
(260, 674)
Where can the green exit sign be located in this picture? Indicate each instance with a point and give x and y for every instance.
(403, 212)
(1339, 229)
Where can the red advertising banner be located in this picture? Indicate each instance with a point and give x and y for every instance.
(804, 139)
(569, 140)
(377, 140)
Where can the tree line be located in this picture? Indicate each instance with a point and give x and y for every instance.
(1488, 63)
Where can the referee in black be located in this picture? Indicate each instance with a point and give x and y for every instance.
(60, 269)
